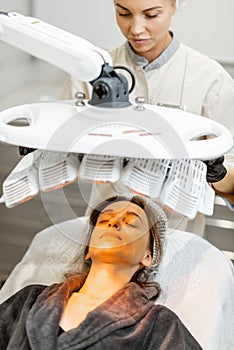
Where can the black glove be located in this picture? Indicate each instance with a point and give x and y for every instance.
(215, 169)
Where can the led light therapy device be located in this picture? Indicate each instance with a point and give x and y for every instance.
(153, 150)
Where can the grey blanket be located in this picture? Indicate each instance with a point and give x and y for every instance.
(128, 320)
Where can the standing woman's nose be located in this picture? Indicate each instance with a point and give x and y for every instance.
(137, 25)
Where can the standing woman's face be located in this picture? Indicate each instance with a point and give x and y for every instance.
(145, 24)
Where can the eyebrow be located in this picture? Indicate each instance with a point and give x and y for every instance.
(129, 212)
(149, 9)
(135, 214)
(106, 211)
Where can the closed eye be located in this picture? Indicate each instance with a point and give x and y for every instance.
(128, 15)
(135, 226)
(151, 16)
(124, 14)
(132, 223)
(102, 221)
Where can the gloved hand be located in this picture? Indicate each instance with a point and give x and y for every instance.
(215, 169)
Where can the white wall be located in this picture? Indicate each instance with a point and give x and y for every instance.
(13, 62)
(93, 20)
(208, 26)
(23, 79)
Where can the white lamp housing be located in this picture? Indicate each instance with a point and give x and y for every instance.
(57, 169)
(100, 168)
(22, 183)
(145, 176)
(185, 186)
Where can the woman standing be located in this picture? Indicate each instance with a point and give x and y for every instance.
(168, 72)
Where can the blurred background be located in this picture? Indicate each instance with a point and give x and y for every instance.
(207, 26)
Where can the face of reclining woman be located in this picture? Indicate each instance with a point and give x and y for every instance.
(121, 235)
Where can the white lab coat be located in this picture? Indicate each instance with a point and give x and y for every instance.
(180, 76)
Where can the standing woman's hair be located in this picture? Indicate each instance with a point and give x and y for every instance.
(179, 3)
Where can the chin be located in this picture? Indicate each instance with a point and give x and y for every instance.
(108, 253)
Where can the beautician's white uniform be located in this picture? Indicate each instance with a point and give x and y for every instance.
(180, 76)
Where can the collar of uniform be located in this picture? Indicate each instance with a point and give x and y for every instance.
(160, 60)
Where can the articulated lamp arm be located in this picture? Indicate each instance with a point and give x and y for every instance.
(76, 56)
(73, 54)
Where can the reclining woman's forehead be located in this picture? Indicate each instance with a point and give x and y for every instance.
(125, 207)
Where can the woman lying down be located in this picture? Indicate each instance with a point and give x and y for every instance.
(109, 302)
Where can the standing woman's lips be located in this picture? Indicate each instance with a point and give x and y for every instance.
(139, 41)
(111, 234)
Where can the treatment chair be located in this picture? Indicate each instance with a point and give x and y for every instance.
(197, 280)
